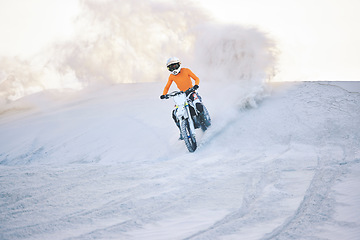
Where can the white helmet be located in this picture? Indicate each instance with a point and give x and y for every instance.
(173, 65)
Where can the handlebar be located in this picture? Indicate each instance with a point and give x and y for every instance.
(173, 94)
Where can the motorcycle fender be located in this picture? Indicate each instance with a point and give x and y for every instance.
(182, 112)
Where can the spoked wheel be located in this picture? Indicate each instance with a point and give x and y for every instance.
(205, 120)
(189, 138)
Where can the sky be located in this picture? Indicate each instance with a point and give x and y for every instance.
(317, 39)
(28, 26)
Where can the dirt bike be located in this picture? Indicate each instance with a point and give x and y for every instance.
(189, 119)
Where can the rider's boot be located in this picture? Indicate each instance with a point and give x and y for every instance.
(200, 108)
(202, 116)
(196, 120)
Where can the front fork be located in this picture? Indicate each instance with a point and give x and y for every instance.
(185, 114)
(191, 122)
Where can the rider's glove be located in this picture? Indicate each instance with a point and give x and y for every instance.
(162, 96)
(195, 87)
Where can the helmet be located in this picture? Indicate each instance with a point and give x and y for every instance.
(173, 65)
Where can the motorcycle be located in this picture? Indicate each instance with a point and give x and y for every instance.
(189, 117)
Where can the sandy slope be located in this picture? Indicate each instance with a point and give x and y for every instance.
(107, 165)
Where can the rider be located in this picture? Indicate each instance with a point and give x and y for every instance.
(182, 78)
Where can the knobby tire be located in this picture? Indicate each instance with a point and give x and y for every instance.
(205, 123)
(189, 138)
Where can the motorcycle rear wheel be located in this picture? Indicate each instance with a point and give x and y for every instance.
(206, 121)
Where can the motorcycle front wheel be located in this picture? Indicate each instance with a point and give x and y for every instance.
(189, 138)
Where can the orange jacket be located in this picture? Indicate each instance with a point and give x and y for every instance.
(182, 80)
